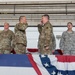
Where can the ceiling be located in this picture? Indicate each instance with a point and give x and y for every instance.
(37, 8)
(33, 10)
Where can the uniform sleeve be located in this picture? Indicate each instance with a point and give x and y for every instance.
(53, 42)
(1, 36)
(48, 36)
(39, 28)
(12, 39)
(62, 42)
(22, 26)
(13, 35)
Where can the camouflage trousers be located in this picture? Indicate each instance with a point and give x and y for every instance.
(43, 50)
(47, 52)
(20, 49)
(5, 51)
(69, 52)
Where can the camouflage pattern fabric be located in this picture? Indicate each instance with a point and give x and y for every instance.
(67, 42)
(20, 38)
(6, 41)
(45, 38)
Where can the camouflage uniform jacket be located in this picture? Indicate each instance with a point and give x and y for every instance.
(67, 41)
(45, 36)
(20, 34)
(6, 38)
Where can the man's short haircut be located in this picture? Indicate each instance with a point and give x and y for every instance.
(69, 23)
(21, 17)
(46, 15)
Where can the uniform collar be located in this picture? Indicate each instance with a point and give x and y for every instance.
(47, 22)
(70, 32)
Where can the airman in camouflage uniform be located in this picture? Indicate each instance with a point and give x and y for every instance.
(6, 40)
(20, 41)
(45, 44)
(67, 42)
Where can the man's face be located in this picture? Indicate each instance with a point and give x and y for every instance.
(44, 19)
(69, 26)
(6, 26)
(24, 19)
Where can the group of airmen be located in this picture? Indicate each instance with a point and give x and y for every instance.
(17, 40)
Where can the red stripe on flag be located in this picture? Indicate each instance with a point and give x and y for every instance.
(65, 58)
(34, 64)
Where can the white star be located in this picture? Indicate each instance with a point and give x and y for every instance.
(46, 64)
(53, 73)
(59, 73)
(43, 56)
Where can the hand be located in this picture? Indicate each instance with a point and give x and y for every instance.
(41, 23)
(21, 21)
(62, 51)
(47, 48)
(52, 51)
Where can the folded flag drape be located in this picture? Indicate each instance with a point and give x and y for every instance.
(17, 64)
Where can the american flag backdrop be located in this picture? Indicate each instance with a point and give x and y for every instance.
(17, 64)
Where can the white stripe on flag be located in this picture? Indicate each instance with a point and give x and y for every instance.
(57, 64)
(71, 66)
(17, 71)
(61, 65)
(39, 64)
